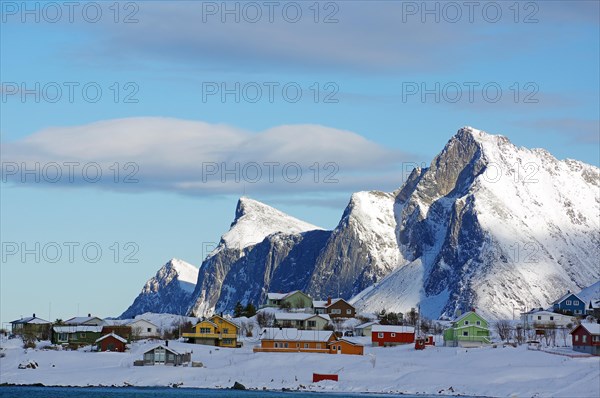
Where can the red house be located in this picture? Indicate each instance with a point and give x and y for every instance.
(586, 338)
(111, 342)
(388, 335)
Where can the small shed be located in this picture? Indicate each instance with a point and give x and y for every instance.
(111, 342)
(161, 355)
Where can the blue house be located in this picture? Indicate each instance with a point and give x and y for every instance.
(570, 303)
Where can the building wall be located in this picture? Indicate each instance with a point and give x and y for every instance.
(111, 344)
(346, 348)
(345, 310)
(299, 300)
(388, 339)
(572, 304)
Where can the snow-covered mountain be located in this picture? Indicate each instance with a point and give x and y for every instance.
(487, 225)
(590, 293)
(361, 249)
(169, 291)
(493, 226)
(254, 221)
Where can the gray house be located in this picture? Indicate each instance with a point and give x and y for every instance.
(162, 355)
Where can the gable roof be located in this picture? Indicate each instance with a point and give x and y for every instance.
(466, 314)
(166, 348)
(323, 303)
(111, 334)
(366, 324)
(31, 320)
(594, 304)
(132, 321)
(232, 323)
(292, 334)
(299, 316)
(78, 329)
(80, 320)
(563, 298)
(349, 342)
(392, 329)
(592, 328)
(281, 296)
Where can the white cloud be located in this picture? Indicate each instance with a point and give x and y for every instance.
(194, 157)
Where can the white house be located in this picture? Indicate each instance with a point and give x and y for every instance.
(365, 329)
(143, 329)
(542, 318)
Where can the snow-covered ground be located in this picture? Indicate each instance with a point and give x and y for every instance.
(493, 372)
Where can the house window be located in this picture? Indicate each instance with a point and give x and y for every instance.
(204, 330)
(575, 302)
(312, 324)
(226, 331)
(149, 330)
(465, 334)
(584, 338)
(82, 335)
(551, 318)
(577, 312)
(276, 345)
(576, 337)
(318, 346)
(297, 345)
(393, 334)
(348, 312)
(336, 311)
(380, 335)
(466, 323)
(568, 302)
(63, 337)
(478, 323)
(539, 317)
(227, 341)
(305, 345)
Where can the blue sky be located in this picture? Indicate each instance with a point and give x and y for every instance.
(362, 121)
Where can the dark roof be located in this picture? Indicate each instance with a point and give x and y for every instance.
(32, 320)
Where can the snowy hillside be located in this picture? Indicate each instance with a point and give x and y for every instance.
(493, 226)
(590, 293)
(168, 291)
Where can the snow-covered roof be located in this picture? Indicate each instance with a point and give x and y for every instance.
(295, 334)
(298, 316)
(276, 296)
(77, 329)
(31, 320)
(392, 329)
(460, 318)
(366, 324)
(593, 328)
(79, 320)
(545, 312)
(594, 304)
(323, 303)
(111, 334)
(165, 347)
(565, 297)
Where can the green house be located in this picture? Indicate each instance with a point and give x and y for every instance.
(295, 299)
(468, 330)
(77, 335)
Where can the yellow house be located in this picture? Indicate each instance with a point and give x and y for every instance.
(216, 331)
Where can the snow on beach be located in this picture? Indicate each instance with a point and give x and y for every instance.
(493, 372)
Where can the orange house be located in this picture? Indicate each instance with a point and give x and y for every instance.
(315, 341)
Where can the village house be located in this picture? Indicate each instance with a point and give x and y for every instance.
(570, 303)
(541, 319)
(308, 341)
(295, 299)
(31, 327)
(163, 355)
(301, 320)
(586, 338)
(216, 331)
(364, 329)
(593, 308)
(111, 342)
(84, 320)
(335, 308)
(76, 335)
(120, 330)
(391, 335)
(468, 330)
(140, 328)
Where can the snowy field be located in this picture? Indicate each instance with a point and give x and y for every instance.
(493, 372)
